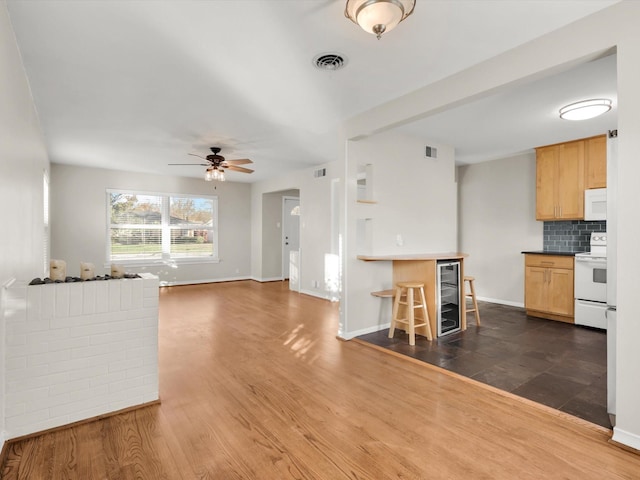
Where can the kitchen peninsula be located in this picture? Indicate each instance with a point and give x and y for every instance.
(428, 268)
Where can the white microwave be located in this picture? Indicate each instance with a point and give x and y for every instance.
(595, 204)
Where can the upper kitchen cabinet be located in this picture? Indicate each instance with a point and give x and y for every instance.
(596, 162)
(560, 181)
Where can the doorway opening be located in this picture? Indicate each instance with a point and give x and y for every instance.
(291, 241)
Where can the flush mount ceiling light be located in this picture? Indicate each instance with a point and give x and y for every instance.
(378, 16)
(585, 109)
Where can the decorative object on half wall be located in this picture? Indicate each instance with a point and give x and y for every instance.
(57, 270)
(117, 271)
(87, 271)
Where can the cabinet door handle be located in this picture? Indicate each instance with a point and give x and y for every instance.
(560, 208)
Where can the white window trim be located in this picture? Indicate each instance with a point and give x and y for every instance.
(165, 228)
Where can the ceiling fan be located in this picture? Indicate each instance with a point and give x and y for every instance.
(218, 164)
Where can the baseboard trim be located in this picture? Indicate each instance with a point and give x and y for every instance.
(364, 331)
(268, 279)
(501, 302)
(198, 282)
(76, 424)
(311, 293)
(627, 440)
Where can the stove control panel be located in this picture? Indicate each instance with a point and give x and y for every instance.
(599, 243)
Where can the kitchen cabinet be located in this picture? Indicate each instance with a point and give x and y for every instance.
(560, 181)
(596, 162)
(548, 291)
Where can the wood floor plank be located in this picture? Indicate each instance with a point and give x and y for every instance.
(254, 385)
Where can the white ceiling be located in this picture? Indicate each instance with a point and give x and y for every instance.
(137, 84)
(518, 119)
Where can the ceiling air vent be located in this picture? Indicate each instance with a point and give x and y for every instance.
(321, 172)
(329, 61)
(431, 152)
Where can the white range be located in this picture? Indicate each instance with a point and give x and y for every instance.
(590, 288)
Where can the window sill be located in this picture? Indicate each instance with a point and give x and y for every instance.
(158, 263)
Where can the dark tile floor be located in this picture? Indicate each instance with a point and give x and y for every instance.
(559, 365)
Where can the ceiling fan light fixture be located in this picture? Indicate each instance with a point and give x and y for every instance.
(217, 165)
(217, 174)
(585, 109)
(378, 16)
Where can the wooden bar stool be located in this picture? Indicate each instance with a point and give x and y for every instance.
(405, 295)
(472, 294)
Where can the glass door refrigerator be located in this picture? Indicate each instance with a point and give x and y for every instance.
(448, 296)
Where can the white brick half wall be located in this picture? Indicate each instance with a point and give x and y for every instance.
(74, 351)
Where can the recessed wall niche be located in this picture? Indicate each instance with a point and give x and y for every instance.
(365, 183)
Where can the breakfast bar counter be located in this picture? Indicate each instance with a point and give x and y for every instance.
(423, 267)
(414, 257)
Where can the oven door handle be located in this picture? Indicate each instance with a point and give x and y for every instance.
(595, 261)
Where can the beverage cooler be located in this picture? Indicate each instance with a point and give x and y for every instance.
(448, 297)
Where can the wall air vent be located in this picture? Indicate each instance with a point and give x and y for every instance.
(431, 152)
(329, 61)
(321, 172)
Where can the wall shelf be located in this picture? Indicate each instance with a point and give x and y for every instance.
(384, 294)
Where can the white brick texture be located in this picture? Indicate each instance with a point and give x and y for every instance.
(78, 350)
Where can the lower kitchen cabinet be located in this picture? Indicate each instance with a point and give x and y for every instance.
(548, 291)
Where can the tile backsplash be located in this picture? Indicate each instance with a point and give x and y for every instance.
(570, 235)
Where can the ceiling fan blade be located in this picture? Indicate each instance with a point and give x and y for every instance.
(200, 164)
(199, 156)
(241, 161)
(239, 169)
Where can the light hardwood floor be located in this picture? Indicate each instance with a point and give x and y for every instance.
(254, 385)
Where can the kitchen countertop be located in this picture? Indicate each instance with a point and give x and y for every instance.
(548, 252)
(414, 256)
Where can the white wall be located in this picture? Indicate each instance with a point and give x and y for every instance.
(627, 428)
(23, 159)
(315, 225)
(78, 219)
(272, 233)
(496, 221)
(416, 199)
(588, 38)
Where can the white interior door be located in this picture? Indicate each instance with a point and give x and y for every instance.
(290, 231)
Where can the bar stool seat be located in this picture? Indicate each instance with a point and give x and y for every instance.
(471, 293)
(405, 295)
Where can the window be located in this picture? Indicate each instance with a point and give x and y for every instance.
(150, 227)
